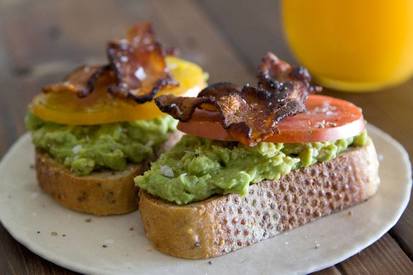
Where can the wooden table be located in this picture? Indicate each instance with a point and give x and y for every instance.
(40, 41)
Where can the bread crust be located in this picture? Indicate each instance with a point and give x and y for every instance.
(222, 224)
(100, 193)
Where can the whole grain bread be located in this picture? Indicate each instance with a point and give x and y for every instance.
(222, 224)
(100, 193)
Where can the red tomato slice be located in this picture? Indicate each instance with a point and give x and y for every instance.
(326, 119)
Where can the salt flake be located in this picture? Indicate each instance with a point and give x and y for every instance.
(167, 171)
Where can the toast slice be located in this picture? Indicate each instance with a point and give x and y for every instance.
(100, 193)
(222, 224)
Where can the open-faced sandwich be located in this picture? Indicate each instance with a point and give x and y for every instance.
(256, 161)
(99, 128)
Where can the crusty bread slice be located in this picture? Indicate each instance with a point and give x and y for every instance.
(222, 224)
(100, 193)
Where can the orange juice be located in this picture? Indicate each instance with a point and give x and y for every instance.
(354, 45)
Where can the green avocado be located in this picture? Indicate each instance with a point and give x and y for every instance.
(197, 168)
(84, 149)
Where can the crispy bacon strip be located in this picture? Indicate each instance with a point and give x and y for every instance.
(81, 81)
(286, 82)
(136, 69)
(139, 64)
(250, 114)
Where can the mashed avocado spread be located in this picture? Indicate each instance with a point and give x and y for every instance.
(197, 168)
(84, 149)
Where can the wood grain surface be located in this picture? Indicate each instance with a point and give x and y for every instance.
(42, 40)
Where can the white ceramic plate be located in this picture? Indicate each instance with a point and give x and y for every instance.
(117, 245)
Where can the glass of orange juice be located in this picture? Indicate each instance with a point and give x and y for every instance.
(353, 45)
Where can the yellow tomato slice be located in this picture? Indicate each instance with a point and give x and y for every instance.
(101, 107)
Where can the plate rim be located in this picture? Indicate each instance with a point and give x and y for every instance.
(81, 268)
